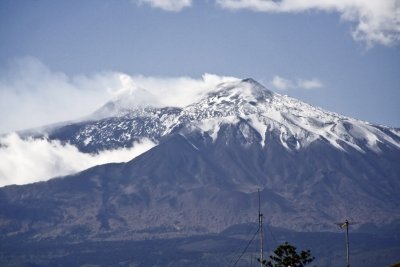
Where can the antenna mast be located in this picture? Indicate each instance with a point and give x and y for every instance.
(260, 225)
(347, 242)
(342, 225)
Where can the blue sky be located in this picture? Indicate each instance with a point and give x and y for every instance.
(341, 55)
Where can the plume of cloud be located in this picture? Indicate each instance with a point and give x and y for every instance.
(180, 91)
(32, 95)
(168, 5)
(33, 160)
(141, 91)
(309, 84)
(377, 21)
(281, 83)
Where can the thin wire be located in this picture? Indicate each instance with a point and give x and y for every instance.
(238, 248)
(272, 235)
(248, 244)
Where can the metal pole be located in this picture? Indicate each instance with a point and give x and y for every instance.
(347, 243)
(260, 225)
(262, 240)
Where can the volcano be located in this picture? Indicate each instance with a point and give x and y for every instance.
(313, 168)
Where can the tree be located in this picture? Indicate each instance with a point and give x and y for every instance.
(285, 255)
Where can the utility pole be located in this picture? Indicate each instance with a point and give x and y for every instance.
(346, 223)
(342, 225)
(260, 225)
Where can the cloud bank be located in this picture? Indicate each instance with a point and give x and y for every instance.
(376, 21)
(281, 83)
(32, 95)
(179, 91)
(33, 160)
(168, 5)
(141, 91)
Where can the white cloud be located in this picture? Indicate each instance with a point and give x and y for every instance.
(377, 21)
(284, 84)
(310, 84)
(33, 160)
(139, 91)
(281, 83)
(179, 91)
(168, 5)
(32, 95)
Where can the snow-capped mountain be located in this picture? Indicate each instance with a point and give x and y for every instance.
(128, 118)
(313, 168)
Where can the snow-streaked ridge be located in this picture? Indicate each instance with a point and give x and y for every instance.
(267, 111)
(297, 124)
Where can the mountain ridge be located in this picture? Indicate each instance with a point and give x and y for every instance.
(228, 102)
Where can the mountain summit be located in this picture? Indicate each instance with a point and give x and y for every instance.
(313, 168)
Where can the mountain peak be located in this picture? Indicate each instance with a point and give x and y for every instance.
(126, 102)
(250, 80)
(247, 89)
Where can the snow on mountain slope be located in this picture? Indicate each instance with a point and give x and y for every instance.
(130, 117)
(267, 111)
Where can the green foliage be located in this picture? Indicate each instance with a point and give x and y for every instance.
(286, 256)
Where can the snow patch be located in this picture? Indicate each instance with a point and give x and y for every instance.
(212, 126)
(260, 125)
(88, 140)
